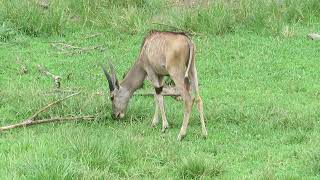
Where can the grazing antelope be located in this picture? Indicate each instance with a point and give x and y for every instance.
(161, 54)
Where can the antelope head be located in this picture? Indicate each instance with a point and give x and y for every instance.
(119, 96)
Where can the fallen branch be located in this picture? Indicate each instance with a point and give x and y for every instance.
(70, 49)
(173, 27)
(51, 104)
(56, 79)
(31, 120)
(91, 36)
(34, 122)
(166, 91)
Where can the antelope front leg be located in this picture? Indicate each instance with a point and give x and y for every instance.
(155, 119)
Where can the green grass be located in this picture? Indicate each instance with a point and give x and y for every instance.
(259, 80)
(261, 99)
(270, 17)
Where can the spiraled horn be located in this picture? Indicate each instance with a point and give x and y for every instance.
(110, 82)
(114, 75)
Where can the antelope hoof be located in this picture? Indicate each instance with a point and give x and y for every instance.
(165, 127)
(205, 134)
(181, 136)
(154, 123)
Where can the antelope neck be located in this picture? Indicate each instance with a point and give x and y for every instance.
(134, 78)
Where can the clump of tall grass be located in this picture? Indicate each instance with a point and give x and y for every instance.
(262, 16)
(196, 168)
(6, 32)
(31, 19)
(273, 17)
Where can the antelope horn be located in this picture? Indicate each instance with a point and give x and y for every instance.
(110, 82)
(114, 75)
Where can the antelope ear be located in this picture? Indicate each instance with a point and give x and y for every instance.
(114, 75)
(110, 82)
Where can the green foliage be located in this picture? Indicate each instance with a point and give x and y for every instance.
(197, 168)
(6, 32)
(260, 92)
(261, 102)
(135, 16)
(29, 18)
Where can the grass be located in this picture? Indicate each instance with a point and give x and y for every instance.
(259, 85)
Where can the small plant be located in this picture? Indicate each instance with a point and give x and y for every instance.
(6, 32)
(195, 168)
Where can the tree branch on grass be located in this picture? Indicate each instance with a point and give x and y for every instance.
(57, 119)
(91, 36)
(50, 105)
(166, 91)
(31, 120)
(70, 49)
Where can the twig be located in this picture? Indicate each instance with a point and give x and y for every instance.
(70, 49)
(33, 122)
(55, 78)
(152, 94)
(91, 36)
(175, 28)
(51, 104)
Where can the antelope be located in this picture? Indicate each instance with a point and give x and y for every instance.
(161, 54)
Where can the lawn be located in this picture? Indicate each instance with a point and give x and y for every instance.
(261, 97)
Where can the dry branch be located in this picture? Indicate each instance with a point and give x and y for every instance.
(70, 49)
(189, 32)
(34, 122)
(56, 79)
(166, 91)
(91, 36)
(31, 120)
(51, 104)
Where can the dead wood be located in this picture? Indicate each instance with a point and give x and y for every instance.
(34, 122)
(91, 36)
(31, 120)
(56, 79)
(50, 105)
(174, 28)
(71, 49)
(166, 91)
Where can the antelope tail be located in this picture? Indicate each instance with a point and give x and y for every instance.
(191, 58)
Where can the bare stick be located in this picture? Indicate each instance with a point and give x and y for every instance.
(166, 91)
(55, 78)
(152, 94)
(33, 122)
(70, 49)
(49, 105)
(175, 28)
(92, 36)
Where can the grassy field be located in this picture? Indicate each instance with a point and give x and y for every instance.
(259, 86)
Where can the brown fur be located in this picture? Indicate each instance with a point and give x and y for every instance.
(162, 54)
